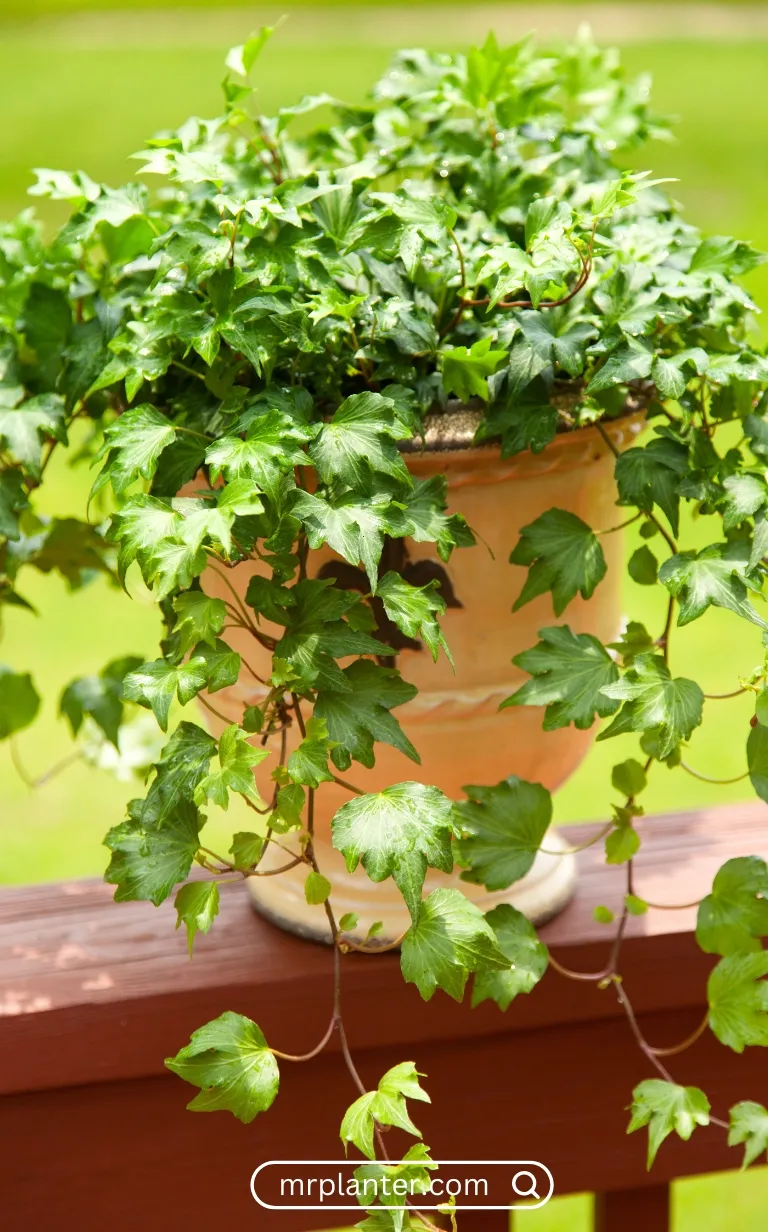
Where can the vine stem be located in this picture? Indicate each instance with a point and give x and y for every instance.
(612, 529)
(361, 948)
(204, 702)
(722, 697)
(705, 778)
(572, 851)
(49, 774)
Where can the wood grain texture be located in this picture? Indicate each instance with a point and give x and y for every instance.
(94, 996)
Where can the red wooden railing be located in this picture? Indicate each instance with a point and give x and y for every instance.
(93, 996)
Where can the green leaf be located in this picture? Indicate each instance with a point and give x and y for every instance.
(631, 362)
(185, 761)
(668, 378)
(316, 888)
(398, 833)
(100, 697)
(414, 609)
(199, 618)
(384, 1106)
(308, 764)
(246, 849)
(635, 905)
(230, 1061)
(197, 905)
(757, 760)
(348, 922)
(569, 671)
(501, 829)
(749, 1124)
(155, 685)
(13, 500)
(744, 495)
(732, 918)
(317, 634)
(654, 701)
(19, 701)
(465, 370)
(133, 444)
(450, 938)
(622, 843)
(603, 915)
(148, 861)
(718, 575)
(528, 956)
(241, 59)
(629, 777)
(361, 714)
(236, 761)
(359, 440)
(665, 1108)
(564, 556)
(738, 1000)
(643, 566)
(352, 525)
(222, 664)
(23, 428)
(650, 475)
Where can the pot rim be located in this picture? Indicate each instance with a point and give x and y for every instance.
(453, 430)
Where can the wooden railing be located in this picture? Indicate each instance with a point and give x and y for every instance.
(93, 996)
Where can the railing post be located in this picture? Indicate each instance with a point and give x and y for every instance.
(633, 1210)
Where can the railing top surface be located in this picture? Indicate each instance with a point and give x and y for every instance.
(75, 967)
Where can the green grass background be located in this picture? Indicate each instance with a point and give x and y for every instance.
(79, 102)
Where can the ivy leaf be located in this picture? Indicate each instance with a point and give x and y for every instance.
(665, 1108)
(19, 701)
(246, 849)
(155, 685)
(398, 833)
(100, 697)
(569, 672)
(230, 1061)
(23, 428)
(650, 475)
(236, 761)
(358, 440)
(654, 701)
(352, 526)
(316, 888)
(635, 640)
(744, 495)
(450, 938)
(414, 609)
(643, 567)
(362, 713)
(668, 377)
(222, 664)
(133, 444)
(148, 861)
(749, 1124)
(384, 1106)
(317, 634)
(184, 762)
(718, 575)
(465, 370)
(426, 520)
(629, 778)
(273, 445)
(197, 905)
(732, 918)
(199, 618)
(13, 500)
(631, 362)
(501, 829)
(528, 956)
(308, 764)
(623, 842)
(738, 1000)
(757, 760)
(564, 556)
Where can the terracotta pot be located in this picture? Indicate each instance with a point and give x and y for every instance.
(455, 722)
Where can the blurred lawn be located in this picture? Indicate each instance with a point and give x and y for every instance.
(75, 105)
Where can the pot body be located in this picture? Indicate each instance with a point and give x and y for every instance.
(454, 721)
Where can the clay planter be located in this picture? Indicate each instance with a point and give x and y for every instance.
(454, 722)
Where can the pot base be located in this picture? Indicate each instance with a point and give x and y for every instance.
(540, 895)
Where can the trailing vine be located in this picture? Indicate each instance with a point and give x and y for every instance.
(246, 355)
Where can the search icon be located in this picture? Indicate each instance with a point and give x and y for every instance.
(525, 1193)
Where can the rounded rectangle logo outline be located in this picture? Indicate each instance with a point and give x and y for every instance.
(520, 1164)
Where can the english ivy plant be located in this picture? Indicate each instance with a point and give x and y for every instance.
(268, 326)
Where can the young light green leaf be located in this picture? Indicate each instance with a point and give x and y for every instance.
(132, 445)
(667, 1108)
(230, 1061)
(749, 1124)
(528, 957)
(466, 369)
(450, 939)
(316, 888)
(500, 830)
(398, 833)
(629, 777)
(308, 764)
(384, 1106)
(197, 905)
(155, 685)
(569, 672)
(246, 849)
(414, 609)
(236, 761)
(563, 554)
(199, 618)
